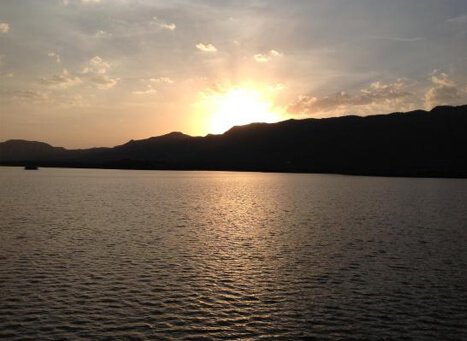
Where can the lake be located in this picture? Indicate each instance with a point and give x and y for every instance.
(222, 255)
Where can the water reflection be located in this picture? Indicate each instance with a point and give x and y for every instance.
(119, 254)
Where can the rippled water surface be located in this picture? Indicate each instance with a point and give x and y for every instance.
(172, 255)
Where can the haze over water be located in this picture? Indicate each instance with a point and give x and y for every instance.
(151, 254)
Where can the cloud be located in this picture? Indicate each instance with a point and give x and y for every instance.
(274, 53)
(460, 20)
(377, 95)
(55, 56)
(149, 90)
(170, 27)
(4, 27)
(165, 80)
(401, 39)
(94, 73)
(90, 1)
(29, 95)
(102, 34)
(162, 24)
(206, 47)
(96, 65)
(266, 57)
(261, 58)
(150, 85)
(64, 80)
(103, 82)
(35, 96)
(443, 91)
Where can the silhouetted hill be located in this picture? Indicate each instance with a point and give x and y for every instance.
(17, 150)
(39, 152)
(416, 143)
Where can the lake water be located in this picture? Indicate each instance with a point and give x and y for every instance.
(188, 255)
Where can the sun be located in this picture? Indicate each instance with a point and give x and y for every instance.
(240, 106)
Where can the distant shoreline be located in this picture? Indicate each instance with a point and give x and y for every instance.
(380, 175)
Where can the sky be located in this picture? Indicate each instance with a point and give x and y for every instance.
(84, 73)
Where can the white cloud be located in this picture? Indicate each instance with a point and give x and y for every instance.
(164, 25)
(64, 80)
(266, 57)
(151, 85)
(274, 53)
(96, 73)
(165, 80)
(206, 47)
(103, 82)
(442, 79)
(55, 56)
(93, 74)
(102, 34)
(261, 58)
(170, 27)
(377, 97)
(96, 65)
(4, 27)
(99, 63)
(149, 90)
(444, 91)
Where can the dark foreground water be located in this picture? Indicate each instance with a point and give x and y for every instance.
(171, 255)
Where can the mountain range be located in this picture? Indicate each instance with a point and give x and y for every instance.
(417, 143)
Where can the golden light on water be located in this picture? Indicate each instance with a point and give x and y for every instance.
(239, 106)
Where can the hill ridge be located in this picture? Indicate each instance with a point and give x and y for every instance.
(416, 143)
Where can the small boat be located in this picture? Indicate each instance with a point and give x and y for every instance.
(31, 167)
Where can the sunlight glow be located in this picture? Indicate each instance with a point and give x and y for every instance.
(239, 106)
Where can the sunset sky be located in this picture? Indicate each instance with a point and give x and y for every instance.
(84, 73)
